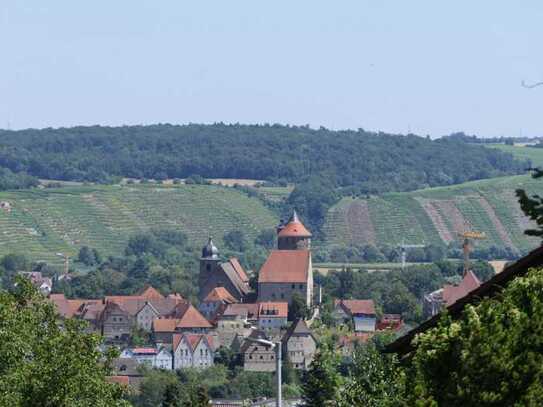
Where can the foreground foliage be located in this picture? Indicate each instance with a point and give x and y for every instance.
(492, 356)
(44, 363)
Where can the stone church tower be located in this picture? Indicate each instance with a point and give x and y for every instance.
(209, 263)
(288, 269)
(215, 273)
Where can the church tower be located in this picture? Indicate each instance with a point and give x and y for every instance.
(293, 235)
(209, 263)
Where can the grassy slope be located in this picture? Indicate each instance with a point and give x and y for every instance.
(521, 152)
(44, 222)
(399, 216)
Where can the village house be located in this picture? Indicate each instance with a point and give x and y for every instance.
(435, 301)
(288, 270)
(215, 303)
(115, 316)
(193, 350)
(257, 357)
(237, 319)
(300, 345)
(272, 316)
(128, 370)
(213, 273)
(361, 313)
(185, 318)
(43, 284)
(390, 322)
(116, 323)
(158, 358)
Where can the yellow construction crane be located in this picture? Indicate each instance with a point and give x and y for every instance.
(467, 236)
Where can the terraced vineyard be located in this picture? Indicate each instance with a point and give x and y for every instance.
(44, 222)
(436, 215)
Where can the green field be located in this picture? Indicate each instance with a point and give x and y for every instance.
(535, 155)
(44, 222)
(436, 215)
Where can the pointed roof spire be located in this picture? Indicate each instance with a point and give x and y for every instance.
(294, 218)
(294, 228)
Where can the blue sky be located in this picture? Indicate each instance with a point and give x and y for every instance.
(396, 66)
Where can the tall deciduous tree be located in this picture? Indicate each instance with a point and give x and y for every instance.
(322, 381)
(44, 362)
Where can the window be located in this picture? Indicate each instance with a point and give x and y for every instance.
(208, 267)
(301, 286)
(250, 356)
(271, 357)
(261, 357)
(293, 286)
(282, 295)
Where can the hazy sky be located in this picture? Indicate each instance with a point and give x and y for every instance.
(381, 65)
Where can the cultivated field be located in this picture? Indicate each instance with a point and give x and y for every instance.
(535, 155)
(436, 214)
(44, 222)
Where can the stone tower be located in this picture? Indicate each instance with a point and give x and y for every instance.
(293, 235)
(209, 264)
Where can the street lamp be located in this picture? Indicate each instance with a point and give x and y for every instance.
(277, 346)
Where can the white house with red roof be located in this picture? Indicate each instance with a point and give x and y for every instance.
(288, 269)
(272, 316)
(360, 312)
(160, 358)
(192, 350)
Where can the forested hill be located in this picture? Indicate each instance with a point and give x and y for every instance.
(351, 161)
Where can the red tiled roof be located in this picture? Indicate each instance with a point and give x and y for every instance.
(273, 309)
(192, 339)
(239, 269)
(164, 324)
(220, 294)
(355, 307)
(294, 228)
(249, 310)
(285, 266)
(150, 292)
(190, 318)
(118, 379)
(451, 293)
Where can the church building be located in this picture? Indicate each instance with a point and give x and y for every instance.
(214, 273)
(288, 269)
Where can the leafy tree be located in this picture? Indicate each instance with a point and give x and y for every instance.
(532, 206)
(88, 256)
(266, 238)
(375, 380)
(490, 357)
(321, 383)
(46, 363)
(15, 262)
(235, 240)
(298, 308)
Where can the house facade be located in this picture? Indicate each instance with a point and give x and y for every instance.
(192, 351)
(300, 345)
(272, 316)
(257, 357)
(361, 313)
